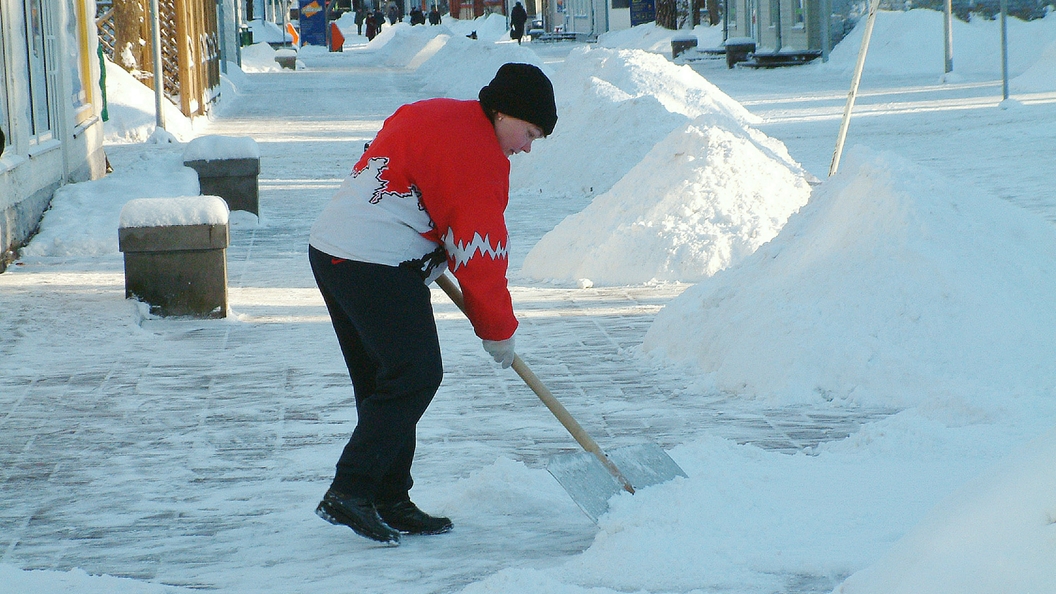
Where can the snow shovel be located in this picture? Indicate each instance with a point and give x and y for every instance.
(590, 477)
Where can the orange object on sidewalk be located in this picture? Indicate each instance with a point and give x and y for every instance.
(337, 40)
(294, 35)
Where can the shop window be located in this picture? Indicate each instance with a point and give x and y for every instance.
(5, 123)
(36, 43)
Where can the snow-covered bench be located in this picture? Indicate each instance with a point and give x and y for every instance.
(176, 254)
(228, 167)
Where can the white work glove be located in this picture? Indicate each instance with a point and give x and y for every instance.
(501, 351)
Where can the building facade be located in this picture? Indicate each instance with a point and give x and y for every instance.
(50, 109)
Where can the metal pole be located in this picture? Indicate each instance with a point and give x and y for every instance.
(947, 23)
(159, 74)
(873, 7)
(1004, 49)
(826, 29)
(221, 18)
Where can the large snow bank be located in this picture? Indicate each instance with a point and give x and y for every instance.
(911, 42)
(130, 107)
(1041, 76)
(653, 38)
(84, 217)
(462, 66)
(893, 287)
(691, 191)
(995, 534)
(259, 57)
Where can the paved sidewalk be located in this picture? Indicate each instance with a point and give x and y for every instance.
(132, 465)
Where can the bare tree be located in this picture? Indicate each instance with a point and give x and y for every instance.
(714, 14)
(667, 14)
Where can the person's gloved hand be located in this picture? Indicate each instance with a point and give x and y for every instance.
(501, 351)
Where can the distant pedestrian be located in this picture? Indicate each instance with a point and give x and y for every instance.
(417, 17)
(379, 20)
(518, 17)
(434, 16)
(428, 194)
(372, 27)
(394, 15)
(361, 15)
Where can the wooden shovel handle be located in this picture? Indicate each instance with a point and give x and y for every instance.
(574, 428)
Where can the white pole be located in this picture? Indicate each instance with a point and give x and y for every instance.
(1004, 49)
(948, 26)
(159, 74)
(873, 7)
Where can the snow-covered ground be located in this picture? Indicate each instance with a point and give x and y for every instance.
(855, 372)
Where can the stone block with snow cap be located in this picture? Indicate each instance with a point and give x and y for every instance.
(176, 254)
(228, 167)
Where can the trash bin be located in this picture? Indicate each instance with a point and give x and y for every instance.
(681, 43)
(738, 49)
(245, 36)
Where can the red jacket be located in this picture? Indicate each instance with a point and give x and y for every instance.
(434, 176)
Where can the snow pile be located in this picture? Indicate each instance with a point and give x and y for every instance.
(603, 95)
(130, 106)
(748, 520)
(995, 534)
(693, 190)
(489, 28)
(180, 210)
(462, 66)
(893, 287)
(400, 42)
(268, 32)
(653, 38)
(1040, 77)
(404, 45)
(259, 57)
(84, 217)
(911, 42)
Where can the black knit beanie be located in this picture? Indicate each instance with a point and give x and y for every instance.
(522, 91)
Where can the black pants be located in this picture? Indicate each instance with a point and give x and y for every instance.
(385, 326)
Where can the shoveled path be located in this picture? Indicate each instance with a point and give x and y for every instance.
(194, 456)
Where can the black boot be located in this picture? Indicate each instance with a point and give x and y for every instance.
(406, 517)
(358, 514)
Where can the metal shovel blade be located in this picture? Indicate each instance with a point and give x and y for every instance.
(591, 486)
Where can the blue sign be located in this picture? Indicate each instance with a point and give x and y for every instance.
(313, 22)
(642, 11)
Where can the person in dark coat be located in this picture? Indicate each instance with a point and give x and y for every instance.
(372, 27)
(394, 15)
(518, 17)
(379, 20)
(434, 16)
(417, 18)
(361, 15)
